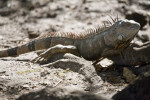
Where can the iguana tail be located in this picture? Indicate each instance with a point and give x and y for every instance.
(29, 47)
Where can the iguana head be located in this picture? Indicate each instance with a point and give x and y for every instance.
(121, 32)
(119, 36)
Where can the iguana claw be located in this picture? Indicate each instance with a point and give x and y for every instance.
(41, 58)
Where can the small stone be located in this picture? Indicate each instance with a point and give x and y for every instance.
(103, 65)
(106, 62)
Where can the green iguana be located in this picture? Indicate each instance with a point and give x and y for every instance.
(91, 44)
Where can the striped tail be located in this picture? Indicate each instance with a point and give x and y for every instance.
(29, 47)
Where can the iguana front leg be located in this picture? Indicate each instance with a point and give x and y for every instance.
(55, 50)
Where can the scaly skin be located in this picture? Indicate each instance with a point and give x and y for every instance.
(135, 54)
(91, 45)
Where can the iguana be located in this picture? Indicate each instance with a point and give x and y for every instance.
(91, 44)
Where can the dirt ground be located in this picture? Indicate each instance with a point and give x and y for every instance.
(23, 20)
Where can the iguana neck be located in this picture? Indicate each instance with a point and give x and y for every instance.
(93, 46)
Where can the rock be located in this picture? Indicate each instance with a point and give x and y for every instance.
(145, 4)
(43, 13)
(103, 65)
(106, 62)
(3, 3)
(60, 94)
(144, 36)
(7, 11)
(137, 90)
(78, 65)
(14, 4)
(123, 1)
(66, 60)
(33, 34)
(128, 74)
